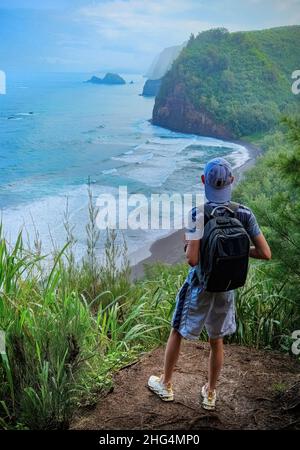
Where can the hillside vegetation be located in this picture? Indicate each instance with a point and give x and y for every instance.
(272, 189)
(230, 84)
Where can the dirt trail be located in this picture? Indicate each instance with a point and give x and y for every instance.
(257, 390)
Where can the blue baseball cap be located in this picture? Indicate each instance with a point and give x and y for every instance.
(218, 179)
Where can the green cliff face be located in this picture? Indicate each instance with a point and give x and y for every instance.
(230, 84)
(151, 88)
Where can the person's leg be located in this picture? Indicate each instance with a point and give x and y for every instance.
(216, 358)
(188, 318)
(162, 386)
(171, 355)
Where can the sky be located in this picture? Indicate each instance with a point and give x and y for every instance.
(119, 35)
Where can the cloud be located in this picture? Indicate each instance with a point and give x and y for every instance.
(280, 5)
(148, 25)
(83, 34)
(57, 60)
(275, 12)
(130, 19)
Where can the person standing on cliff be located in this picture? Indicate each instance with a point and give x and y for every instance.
(197, 308)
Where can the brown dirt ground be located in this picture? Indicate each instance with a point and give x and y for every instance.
(257, 390)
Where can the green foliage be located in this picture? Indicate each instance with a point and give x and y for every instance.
(242, 79)
(265, 314)
(68, 328)
(63, 347)
(272, 189)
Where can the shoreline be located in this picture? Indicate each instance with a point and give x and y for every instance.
(254, 153)
(169, 249)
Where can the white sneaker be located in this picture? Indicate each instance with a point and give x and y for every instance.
(164, 391)
(209, 398)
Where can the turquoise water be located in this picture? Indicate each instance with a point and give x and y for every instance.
(56, 132)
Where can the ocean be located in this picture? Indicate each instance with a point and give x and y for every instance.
(58, 133)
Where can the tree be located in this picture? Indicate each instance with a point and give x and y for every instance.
(272, 189)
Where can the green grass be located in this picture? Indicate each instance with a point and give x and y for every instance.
(265, 315)
(68, 328)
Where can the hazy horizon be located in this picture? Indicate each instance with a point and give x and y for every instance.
(119, 35)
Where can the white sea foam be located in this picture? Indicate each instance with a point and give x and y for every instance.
(20, 116)
(46, 217)
(239, 156)
(134, 158)
(152, 162)
(109, 171)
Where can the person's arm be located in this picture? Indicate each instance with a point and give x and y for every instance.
(192, 252)
(193, 235)
(261, 249)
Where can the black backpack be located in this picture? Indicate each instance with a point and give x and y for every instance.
(224, 251)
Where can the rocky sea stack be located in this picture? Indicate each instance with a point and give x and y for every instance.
(110, 78)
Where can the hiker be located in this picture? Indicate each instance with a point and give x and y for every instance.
(207, 297)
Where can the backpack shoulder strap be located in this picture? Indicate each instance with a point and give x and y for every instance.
(209, 208)
(234, 207)
(207, 211)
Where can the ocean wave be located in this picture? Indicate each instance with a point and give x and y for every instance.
(94, 130)
(47, 216)
(167, 155)
(19, 116)
(238, 157)
(134, 158)
(109, 171)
